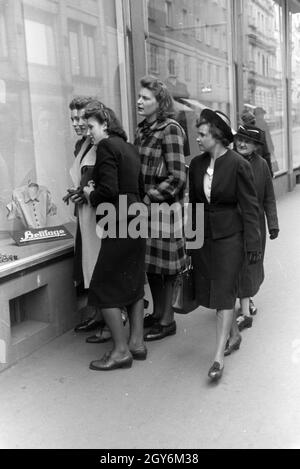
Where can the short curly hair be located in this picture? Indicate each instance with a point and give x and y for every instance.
(162, 96)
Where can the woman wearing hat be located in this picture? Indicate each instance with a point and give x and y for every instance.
(248, 142)
(222, 180)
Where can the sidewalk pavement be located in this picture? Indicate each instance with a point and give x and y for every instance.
(52, 400)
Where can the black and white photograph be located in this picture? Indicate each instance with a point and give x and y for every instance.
(149, 217)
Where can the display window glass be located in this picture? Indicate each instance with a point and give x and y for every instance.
(261, 41)
(189, 47)
(49, 53)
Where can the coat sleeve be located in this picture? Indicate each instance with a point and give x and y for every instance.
(172, 151)
(269, 201)
(247, 200)
(105, 175)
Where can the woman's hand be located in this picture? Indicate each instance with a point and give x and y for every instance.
(88, 189)
(254, 256)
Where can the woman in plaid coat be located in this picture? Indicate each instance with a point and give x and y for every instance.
(160, 141)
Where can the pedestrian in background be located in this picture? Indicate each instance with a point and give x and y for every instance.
(248, 118)
(248, 141)
(222, 180)
(160, 142)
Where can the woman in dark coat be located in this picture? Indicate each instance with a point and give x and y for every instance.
(160, 141)
(248, 142)
(222, 180)
(118, 277)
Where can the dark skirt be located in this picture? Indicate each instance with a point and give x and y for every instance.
(252, 275)
(216, 269)
(119, 274)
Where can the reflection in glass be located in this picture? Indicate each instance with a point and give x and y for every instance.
(263, 74)
(295, 82)
(188, 48)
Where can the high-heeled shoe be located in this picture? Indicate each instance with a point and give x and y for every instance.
(231, 348)
(215, 372)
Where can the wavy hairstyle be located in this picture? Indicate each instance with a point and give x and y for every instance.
(162, 96)
(102, 114)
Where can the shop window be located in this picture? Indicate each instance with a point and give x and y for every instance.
(263, 75)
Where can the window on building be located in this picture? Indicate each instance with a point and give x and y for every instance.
(82, 49)
(187, 68)
(171, 64)
(88, 48)
(40, 42)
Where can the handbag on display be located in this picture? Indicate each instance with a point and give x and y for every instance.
(184, 293)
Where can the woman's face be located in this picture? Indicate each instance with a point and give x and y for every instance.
(205, 140)
(147, 105)
(244, 147)
(96, 130)
(82, 122)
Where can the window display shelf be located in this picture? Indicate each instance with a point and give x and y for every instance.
(29, 256)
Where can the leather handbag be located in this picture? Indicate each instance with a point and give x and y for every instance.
(184, 293)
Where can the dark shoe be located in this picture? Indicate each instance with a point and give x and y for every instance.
(244, 322)
(150, 320)
(215, 371)
(252, 308)
(88, 325)
(231, 348)
(139, 354)
(107, 363)
(158, 331)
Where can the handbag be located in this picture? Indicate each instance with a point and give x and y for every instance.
(184, 292)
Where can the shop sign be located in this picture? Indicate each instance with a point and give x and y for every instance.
(32, 235)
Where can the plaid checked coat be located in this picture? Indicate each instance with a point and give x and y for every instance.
(165, 249)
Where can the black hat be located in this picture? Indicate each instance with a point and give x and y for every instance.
(250, 132)
(220, 120)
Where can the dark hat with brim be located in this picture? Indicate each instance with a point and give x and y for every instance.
(250, 132)
(220, 120)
